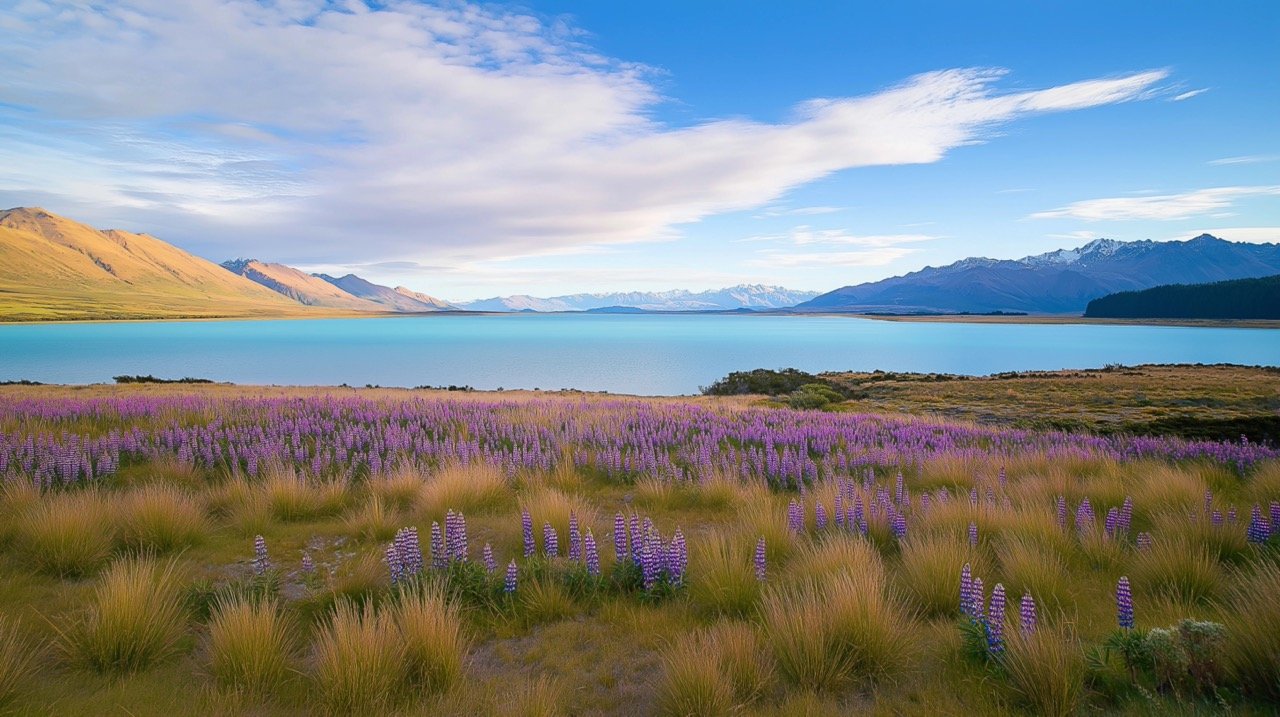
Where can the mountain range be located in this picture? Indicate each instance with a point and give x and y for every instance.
(1058, 282)
(743, 296)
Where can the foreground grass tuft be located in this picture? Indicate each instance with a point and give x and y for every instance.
(17, 659)
(160, 518)
(249, 643)
(69, 533)
(359, 661)
(135, 618)
(434, 644)
(1047, 669)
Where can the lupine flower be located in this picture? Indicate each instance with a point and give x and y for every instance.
(1061, 507)
(977, 598)
(1002, 478)
(593, 553)
(1208, 500)
(619, 538)
(1126, 515)
(438, 559)
(509, 584)
(898, 523)
(395, 566)
(995, 619)
(550, 544)
(490, 565)
(973, 496)
(1231, 514)
(1275, 515)
(679, 558)
(1215, 518)
(1112, 522)
(575, 538)
(261, 561)
(637, 538)
(408, 550)
(973, 534)
(526, 525)
(1084, 516)
(795, 517)
(1027, 610)
(966, 590)
(899, 489)
(820, 517)
(760, 560)
(1124, 604)
(1144, 540)
(308, 565)
(649, 563)
(456, 537)
(1258, 530)
(838, 513)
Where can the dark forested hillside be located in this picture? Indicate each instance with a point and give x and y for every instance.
(1236, 299)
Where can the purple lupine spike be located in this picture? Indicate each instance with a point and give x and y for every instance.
(995, 620)
(1258, 531)
(649, 562)
(509, 584)
(899, 487)
(1084, 516)
(973, 535)
(637, 538)
(1208, 500)
(308, 565)
(395, 566)
(1126, 516)
(575, 538)
(1275, 516)
(1215, 518)
(438, 559)
(261, 561)
(490, 565)
(977, 598)
(1027, 610)
(1124, 604)
(838, 513)
(593, 553)
(619, 538)
(795, 516)
(1144, 541)
(550, 543)
(973, 496)
(1112, 522)
(457, 541)
(820, 517)
(526, 526)
(1231, 515)
(760, 560)
(1061, 509)
(1003, 478)
(966, 590)
(679, 558)
(898, 523)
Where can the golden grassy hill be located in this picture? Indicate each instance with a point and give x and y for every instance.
(53, 268)
(300, 286)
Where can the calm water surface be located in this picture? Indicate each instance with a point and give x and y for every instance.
(653, 354)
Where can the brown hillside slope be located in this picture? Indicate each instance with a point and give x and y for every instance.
(300, 286)
(53, 268)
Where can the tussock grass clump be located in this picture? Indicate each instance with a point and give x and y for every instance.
(293, 498)
(472, 489)
(1028, 566)
(742, 657)
(929, 573)
(542, 697)
(765, 519)
(1177, 569)
(692, 684)
(159, 518)
(544, 601)
(1253, 632)
(69, 533)
(17, 659)
(548, 505)
(826, 635)
(836, 554)
(713, 494)
(249, 643)
(398, 489)
(375, 520)
(359, 661)
(434, 644)
(135, 618)
(17, 497)
(722, 578)
(1047, 669)
(1224, 542)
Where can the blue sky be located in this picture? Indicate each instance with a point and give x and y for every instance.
(555, 147)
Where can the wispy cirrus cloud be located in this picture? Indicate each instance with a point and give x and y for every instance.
(1159, 206)
(1181, 96)
(1245, 159)
(314, 131)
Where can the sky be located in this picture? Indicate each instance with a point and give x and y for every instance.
(553, 147)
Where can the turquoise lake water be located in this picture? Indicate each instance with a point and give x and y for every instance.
(640, 354)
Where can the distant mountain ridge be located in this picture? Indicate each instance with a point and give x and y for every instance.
(743, 296)
(1056, 282)
(54, 268)
(400, 299)
(298, 285)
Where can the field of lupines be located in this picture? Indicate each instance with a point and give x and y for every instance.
(230, 551)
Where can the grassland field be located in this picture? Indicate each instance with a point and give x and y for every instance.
(220, 550)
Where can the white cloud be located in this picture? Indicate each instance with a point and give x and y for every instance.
(313, 131)
(804, 235)
(1158, 207)
(1188, 94)
(771, 212)
(1253, 235)
(1247, 159)
(864, 257)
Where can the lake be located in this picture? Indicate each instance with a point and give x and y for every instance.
(639, 354)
